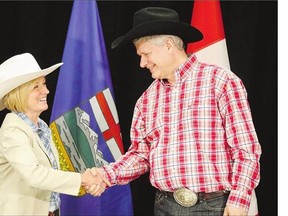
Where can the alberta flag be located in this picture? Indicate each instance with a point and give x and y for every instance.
(212, 49)
(84, 120)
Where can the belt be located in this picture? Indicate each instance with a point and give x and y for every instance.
(188, 198)
(54, 213)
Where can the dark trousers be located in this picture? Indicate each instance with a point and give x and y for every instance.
(167, 206)
(55, 213)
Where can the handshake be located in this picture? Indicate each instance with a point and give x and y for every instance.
(94, 182)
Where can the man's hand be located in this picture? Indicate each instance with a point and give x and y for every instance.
(94, 182)
(234, 211)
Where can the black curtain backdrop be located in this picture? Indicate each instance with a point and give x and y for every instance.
(40, 27)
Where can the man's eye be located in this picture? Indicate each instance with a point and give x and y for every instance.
(146, 55)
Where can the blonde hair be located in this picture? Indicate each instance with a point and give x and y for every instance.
(16, 100)
(159, 40)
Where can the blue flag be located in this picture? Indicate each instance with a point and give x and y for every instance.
(84, 120)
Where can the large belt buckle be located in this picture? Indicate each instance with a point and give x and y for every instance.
(185, 197)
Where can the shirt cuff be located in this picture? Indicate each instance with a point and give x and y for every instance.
(239, 199)
(109, 174)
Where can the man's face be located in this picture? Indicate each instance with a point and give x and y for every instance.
(156, 58)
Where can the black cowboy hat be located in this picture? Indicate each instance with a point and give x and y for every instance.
(158, 21)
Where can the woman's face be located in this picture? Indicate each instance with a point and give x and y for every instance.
(37, 99)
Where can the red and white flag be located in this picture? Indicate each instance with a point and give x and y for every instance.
(212, 49)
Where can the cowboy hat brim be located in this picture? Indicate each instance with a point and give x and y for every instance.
(11, 83)
(186, 32)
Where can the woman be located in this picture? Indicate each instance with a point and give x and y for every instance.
(29, 175)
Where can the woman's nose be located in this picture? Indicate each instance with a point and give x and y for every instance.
(45, 90)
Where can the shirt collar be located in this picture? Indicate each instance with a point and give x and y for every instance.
(183, 71)
(41, 125)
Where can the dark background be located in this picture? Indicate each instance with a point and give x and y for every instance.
(40, 27)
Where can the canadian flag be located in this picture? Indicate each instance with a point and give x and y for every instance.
(212, 49)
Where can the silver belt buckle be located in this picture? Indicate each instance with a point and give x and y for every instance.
(185, 197)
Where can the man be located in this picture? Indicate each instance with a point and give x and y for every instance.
(192, 128)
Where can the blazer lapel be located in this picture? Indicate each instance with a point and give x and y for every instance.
(54, 150)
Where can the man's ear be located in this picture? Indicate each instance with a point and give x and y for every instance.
(169, 43)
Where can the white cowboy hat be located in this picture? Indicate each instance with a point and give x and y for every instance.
(18, 70)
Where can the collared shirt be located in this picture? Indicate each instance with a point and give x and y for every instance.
(44, 134)
(197, 133)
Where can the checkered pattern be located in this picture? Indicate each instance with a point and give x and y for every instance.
(197, 134)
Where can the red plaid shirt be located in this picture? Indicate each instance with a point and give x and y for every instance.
(197, 133)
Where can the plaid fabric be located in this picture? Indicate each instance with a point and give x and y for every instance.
(44, 134)
(197, 133)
